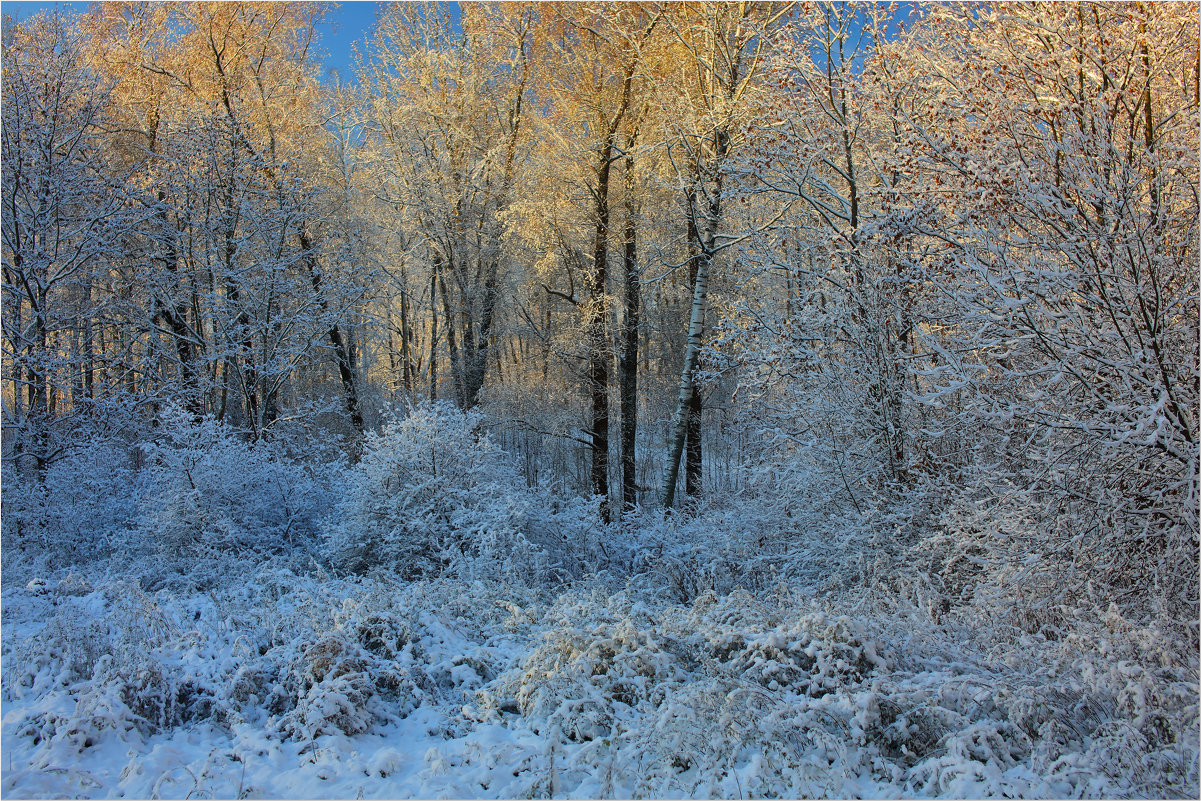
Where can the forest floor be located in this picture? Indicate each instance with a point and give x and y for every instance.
(278, 680)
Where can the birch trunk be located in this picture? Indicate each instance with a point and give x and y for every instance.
(679, 426)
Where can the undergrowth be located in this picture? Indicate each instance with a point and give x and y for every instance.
(740, 650)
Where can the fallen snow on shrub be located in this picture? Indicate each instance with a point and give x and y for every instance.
(225, 620)
(432, 493)
(295, 683)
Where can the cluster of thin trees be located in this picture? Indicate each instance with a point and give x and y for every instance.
(917, 245)
(167, 227)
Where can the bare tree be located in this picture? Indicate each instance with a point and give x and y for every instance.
(725, 45)
(63, 218)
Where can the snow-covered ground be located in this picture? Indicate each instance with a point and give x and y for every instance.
(278, 680)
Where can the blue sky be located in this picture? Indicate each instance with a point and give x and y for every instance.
(347, 24)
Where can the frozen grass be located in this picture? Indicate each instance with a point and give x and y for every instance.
(279, 682)
(223, 620)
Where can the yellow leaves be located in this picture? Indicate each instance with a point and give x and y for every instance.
(247, 64)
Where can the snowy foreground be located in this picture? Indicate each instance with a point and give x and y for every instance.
(277, 680)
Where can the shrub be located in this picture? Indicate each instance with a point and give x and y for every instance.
(208, 489)
(83, 504)
(431, 492)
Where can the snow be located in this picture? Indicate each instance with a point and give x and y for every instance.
(738, 651)
(487, 689)
(239, 764)
(945, 542)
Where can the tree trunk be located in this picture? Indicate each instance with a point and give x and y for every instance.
(706, 247)
(175, 314)
(452, 343)
(247, 375)
(629, 352)
(15, 374)
(598, 340)
(597, 332)
(434, 331)
(341, 351)
(477, 357)
(392, 363)
(679, 428)
(89, 346)
(693, 451)
(39, 398)
(406, 336)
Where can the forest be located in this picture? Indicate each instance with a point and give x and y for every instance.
(601, 400)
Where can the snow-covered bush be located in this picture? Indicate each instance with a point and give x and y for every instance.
(593, 693)
(206, 489)
(299, 656)
(612, 657)
(777, 695)
(719, 548)
(431, 492)
(84, 503)
(190, 487)
(567, 530)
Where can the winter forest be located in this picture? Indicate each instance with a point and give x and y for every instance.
(601, 400)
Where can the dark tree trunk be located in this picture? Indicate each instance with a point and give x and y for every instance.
(341, 351)
(175, 314)
(39, 393)
(597, 314)
(692, 449)
(434, 331)
(393, 365)
(247, 376)
(477, 356)
(406, 337)
(452, 342)
(598, 340)
(629, 352)
(693, 452)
